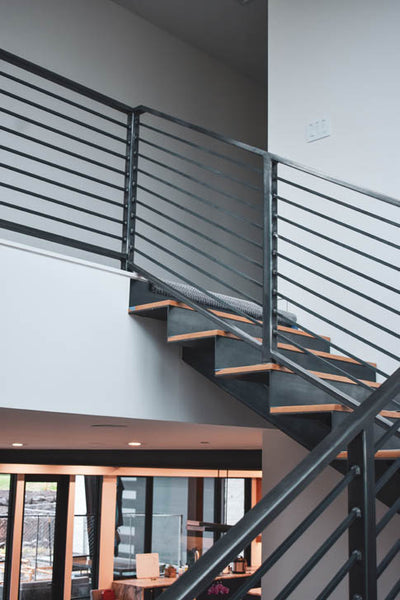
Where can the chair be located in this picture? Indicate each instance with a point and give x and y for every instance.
(96, 594)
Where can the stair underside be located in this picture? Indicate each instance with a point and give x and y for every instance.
(284, 399)
(263, 379)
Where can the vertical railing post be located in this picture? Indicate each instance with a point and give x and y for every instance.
(362, 534)
(130, 185)
(270, 316)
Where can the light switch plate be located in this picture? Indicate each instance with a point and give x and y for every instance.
(317, 129)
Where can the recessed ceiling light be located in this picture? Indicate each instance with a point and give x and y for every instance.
(134, 443)
(17, 444)
(108, 426)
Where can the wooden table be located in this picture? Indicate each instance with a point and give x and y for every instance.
(140, 589)
(149, 589)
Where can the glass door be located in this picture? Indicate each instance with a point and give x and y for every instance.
(43, 538)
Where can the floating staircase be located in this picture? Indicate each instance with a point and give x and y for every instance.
(178, 203)
(283, 398)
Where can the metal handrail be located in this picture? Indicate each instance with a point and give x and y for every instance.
(258, 518)
(335, 180)
(83, 90)
(207, 132)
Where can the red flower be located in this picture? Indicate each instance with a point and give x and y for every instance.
(218, 589)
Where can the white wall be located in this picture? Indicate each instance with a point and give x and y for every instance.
(336, 60)
(339, 60)
(67, 344)
(109, 49)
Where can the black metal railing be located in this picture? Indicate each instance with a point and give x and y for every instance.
(351, 284)
(355, 437)
(66, 154)
(198, 215)
(232, 231)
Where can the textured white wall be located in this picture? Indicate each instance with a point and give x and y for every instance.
(339, 60)
(336, 59)
(109, 49)
(67, 344)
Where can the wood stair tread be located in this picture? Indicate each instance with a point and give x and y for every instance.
(224, 315)
(322, 408)
(268, 367)
(214, 332)
(200, 335)
(381, 454)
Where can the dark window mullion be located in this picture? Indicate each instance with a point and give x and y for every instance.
(148, 523)
(9, 536)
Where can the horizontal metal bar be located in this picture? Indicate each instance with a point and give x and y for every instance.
(205, 185)
(394, 592)
(341, 244)
(56, 113)
(330, 364)
(62, 99)
(201, 217)
(199, 251)
(338, 264)
(388, 474)
(342, 286)
(385, 562)
(202, 130)
(58, 184)
(296, 534)
(63, 150)
(212, 170)
(61, 168)
(61, 132)
(341, 328)
(340, 202)
(195, 231)
(225, 325)
(341, 574)
(199, 198)
(194, 266)
(58, 220)
(63, 81)
(236, 162)
(340, 223)
(339, 305)
(332, 345)
(387, 516)
(387, 435)
(272, 504)
(319, 554)
(334, 180)
(59, 239)
(60, 202)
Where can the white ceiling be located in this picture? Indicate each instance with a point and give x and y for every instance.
(45, 430)
(230, 31)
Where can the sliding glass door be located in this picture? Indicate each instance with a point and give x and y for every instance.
(43, 538)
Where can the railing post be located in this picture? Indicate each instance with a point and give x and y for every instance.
(270, 316)
(362, 534)
(130, 184)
